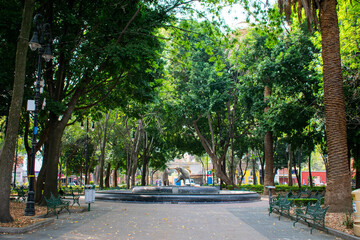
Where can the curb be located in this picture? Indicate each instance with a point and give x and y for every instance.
(333, 232)
(27, 228)
(342, 235)
(13, 230)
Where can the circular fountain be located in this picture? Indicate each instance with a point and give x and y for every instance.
(177, 194)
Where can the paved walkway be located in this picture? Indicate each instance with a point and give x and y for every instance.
(116, 220)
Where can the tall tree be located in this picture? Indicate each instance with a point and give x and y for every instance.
(101, 59)
(104, 130)
(209, 103)
(338, 190)
(324, 15)
(8, 148)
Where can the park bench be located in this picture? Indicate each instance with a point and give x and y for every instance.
(305, 193)
(281, 204)
(54, 203)
(21, 195)
(314, 213)
(294, 195)
(75, 198)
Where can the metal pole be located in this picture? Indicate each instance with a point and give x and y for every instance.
(30, 204)
(86, 150)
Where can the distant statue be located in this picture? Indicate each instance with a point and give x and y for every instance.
(165, 177)
(183, 174)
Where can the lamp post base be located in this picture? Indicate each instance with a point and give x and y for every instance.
(30, 204)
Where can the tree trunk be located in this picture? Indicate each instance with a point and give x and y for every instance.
(134, 158)
(60, 170)
(262, 163)
(128, 169)
(254, 171)
(211, 151)
(41, 176)
(54, 143)
(232, 166)
(310, 175)
(107, 175)
(338, 190)
(96, 175)
(243, 171)
(299, 169)
(144, 170)
(116, 175)
(103, 131)
(290, 163)
(268, 149)
(8, 149)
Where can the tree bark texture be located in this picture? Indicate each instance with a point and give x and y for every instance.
(310, 175)
(254, 171)
(41, 176)
(7, 151)
(51, 172)
(338, 190)
(298, 175)
(290, 163)
(268, 150)
(107, 175)
(103, 139)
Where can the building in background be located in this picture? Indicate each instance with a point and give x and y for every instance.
(318, 177)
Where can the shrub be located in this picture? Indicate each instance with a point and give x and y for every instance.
(256, 188)
(348, 222)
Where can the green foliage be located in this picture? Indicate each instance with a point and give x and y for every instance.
(257, 188)
(286, 188)
(10, 21)
(348, 222)
(73, 150)
(349, 19)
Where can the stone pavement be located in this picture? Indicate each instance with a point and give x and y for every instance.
(117, 220)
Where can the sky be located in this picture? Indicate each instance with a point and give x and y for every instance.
(234, 16)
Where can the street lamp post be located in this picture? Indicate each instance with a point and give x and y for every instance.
(41, 40)
(87, 178)
(86, 151)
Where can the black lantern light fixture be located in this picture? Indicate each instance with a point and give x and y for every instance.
(40, 41)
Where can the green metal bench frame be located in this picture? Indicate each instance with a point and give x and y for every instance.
(281, 204)
(314, 213)
(54, 203)
(75, 198)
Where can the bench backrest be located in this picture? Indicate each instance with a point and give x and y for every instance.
(53, 200)
(316, 209)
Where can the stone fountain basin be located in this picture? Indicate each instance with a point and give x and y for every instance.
(177, 194)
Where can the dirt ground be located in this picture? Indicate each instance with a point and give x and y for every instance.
(17, 210)
(332, 220)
